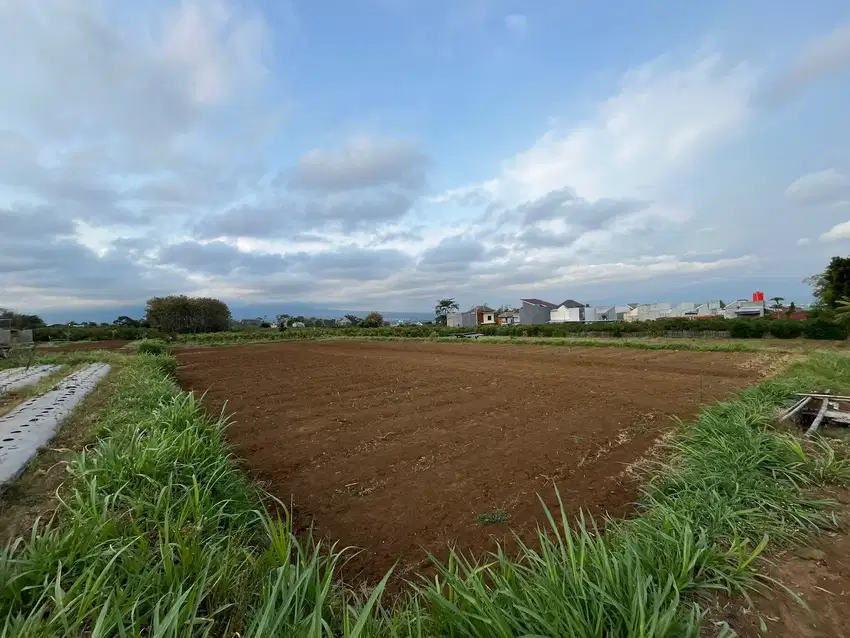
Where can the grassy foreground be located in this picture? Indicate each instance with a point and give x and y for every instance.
(159, 534)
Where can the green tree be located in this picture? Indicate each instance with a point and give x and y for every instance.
(179, 313)
(831, 285)
(127, 322)
(354, 320)
(842, 310)
(444, 307)
(777, 302)
(792, 308)
(373, 320)
(20, 321)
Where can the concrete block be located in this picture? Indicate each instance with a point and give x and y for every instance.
(34, 423)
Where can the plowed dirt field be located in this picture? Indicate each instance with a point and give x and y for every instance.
(398, 447)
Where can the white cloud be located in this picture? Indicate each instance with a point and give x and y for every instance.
(803, 241)
(823, 187)
(837, 232)
(215, 47)
(661, 117)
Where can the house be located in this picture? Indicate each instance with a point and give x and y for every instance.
(462, 319)
(649, 311)
(744, 308)
(605, 313)
(485, 316)
(706, 310)
(297, 324)
(475, 316)
(569, 310)
(535, 311)
(343, 321)
(508, 318)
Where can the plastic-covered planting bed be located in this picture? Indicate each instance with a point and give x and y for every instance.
(34, 423)
(17, 378)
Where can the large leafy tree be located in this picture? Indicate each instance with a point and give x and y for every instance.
(373, 320)
(833, 284)
(20, 321)
(777, 302)
(179, 313)
(445, 306)
(126, 321)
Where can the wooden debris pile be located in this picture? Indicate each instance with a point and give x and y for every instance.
(818, 409)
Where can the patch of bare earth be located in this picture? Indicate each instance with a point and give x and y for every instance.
(819, 575)
(398, 447)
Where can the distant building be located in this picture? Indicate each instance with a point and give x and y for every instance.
(744, 308)
(508, 318)
(567, 311)
(535, 311)
(478, 315)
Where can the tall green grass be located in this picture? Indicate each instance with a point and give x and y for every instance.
(159, 534)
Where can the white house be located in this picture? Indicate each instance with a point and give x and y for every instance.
(567, 311)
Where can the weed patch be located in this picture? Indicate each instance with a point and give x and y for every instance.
(493, 518)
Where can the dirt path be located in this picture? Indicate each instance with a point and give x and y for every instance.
(399, 447)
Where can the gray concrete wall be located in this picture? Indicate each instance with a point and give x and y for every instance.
(530, 315)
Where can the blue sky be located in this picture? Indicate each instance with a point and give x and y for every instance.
(386, 153)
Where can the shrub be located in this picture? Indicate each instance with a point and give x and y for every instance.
(824, 329)
(153, 346)
(785, 329)
(747, 328)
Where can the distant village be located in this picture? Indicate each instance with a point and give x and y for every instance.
(534, 311)
(538, 311)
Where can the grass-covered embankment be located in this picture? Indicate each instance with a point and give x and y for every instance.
(159, 534)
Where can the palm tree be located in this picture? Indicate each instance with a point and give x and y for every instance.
(777, 302)
(445, 306)
(842, 309)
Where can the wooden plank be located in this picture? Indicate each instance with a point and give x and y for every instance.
(815, 395)
(795, 408)
(840, 417)
(814, 426)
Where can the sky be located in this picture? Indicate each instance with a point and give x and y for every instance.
(384, 154)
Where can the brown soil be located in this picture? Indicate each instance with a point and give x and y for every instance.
(397, 448)
(113, 344)
(819, 575)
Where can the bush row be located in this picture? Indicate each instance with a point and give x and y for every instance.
(99, 333)
(734, 328)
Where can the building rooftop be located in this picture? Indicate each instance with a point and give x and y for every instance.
(539, 302)
(571, 303)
